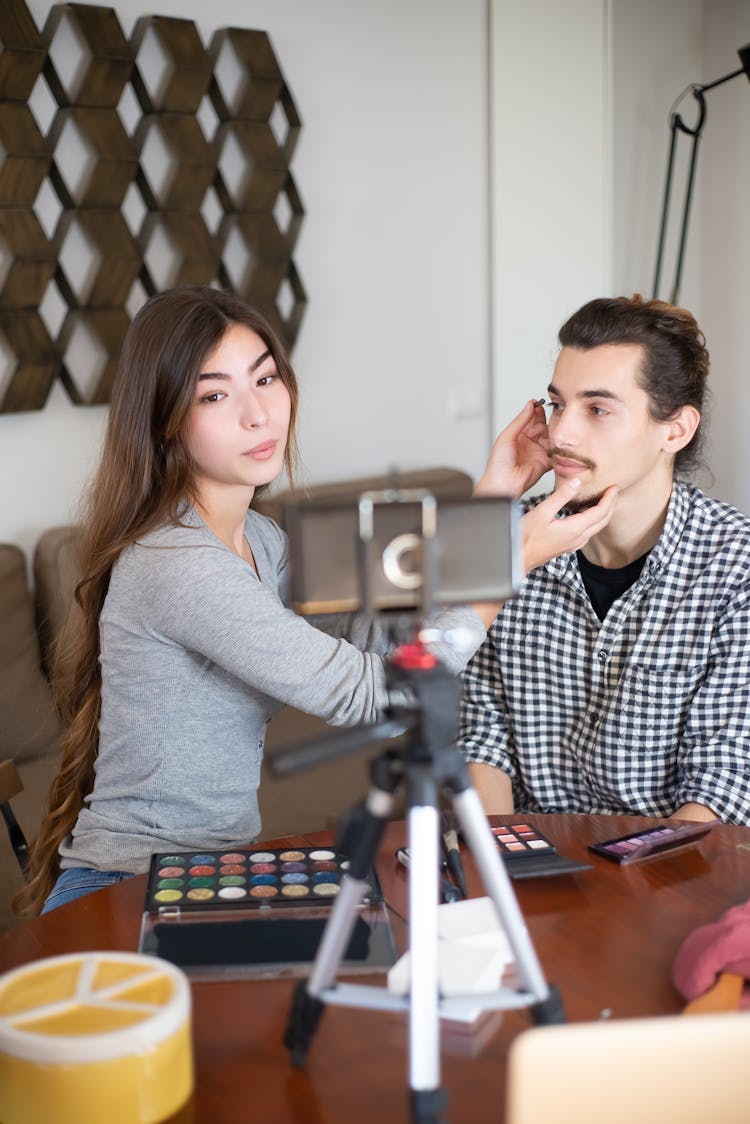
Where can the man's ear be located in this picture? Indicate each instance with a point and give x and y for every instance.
(680, 429)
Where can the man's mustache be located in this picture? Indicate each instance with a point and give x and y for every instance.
(554, 451)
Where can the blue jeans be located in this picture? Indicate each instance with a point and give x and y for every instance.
(78, 881)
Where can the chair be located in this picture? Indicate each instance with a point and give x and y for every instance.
(10, 786)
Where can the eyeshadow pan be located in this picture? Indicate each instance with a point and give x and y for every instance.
(252, 879)
(257, 892)
(200, 894)
(295, 891)
(164, 896)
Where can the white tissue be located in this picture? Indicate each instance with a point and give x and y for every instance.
(473, 950)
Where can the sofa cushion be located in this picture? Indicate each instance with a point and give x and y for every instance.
(28, 723)
(57, 570)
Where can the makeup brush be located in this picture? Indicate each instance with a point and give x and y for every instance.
(448, 892)
(452, 852)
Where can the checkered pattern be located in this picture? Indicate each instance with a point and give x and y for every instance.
(642, 712)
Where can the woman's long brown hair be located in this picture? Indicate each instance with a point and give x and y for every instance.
(144, 477)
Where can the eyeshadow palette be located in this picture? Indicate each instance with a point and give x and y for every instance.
(529, 854)
(651, 843)
(218, 880)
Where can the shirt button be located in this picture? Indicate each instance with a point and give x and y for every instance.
(602, 655)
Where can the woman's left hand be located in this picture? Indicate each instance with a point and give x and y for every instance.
(518, 457)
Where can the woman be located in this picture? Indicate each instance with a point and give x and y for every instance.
(183, 647)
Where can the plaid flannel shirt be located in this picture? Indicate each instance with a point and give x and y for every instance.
(642, 712)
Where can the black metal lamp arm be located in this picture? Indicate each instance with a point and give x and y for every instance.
(678, 125)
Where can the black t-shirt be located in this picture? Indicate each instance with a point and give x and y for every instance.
(604, 586)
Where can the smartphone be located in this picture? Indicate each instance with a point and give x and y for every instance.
(382, 554)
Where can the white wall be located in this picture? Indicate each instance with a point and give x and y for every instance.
(725, 218)
(657, 53)
(551, 211)
(417, 288)
(392, 169)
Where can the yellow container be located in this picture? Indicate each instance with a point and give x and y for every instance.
(94, 1037)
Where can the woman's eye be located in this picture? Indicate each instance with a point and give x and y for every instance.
(266, 380)
(215, 397)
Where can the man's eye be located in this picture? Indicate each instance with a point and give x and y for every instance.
(599, 411)
(555, 407)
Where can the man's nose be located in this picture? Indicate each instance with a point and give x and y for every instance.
(564, 428)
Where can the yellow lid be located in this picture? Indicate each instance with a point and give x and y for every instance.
(92, 1006)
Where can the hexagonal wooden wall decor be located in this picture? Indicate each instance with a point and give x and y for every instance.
(22, 52)
(128, 165)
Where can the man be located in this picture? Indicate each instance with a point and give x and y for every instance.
(618, 680)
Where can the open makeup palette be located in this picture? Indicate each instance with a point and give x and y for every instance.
(258, 912)
(210, 880)
(529, 854)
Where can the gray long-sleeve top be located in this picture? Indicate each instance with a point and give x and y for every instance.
(197, 653)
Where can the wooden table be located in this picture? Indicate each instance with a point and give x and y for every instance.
(607, 937)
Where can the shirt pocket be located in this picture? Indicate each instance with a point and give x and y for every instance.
(652, 705)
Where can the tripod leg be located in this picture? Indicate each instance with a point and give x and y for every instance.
(307, 1004)
(427, 1099)
(548, 1005)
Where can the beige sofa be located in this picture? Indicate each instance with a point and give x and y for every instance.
(30, 617)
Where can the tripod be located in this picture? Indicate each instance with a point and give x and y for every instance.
(427, 765)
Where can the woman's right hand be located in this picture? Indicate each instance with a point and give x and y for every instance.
(545, 536)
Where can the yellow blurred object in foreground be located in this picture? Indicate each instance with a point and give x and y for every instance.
(94, 1036)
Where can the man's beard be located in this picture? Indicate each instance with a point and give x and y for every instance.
(582, 503)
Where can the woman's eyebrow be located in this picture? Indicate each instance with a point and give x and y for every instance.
(261, 359)
(222, 375)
